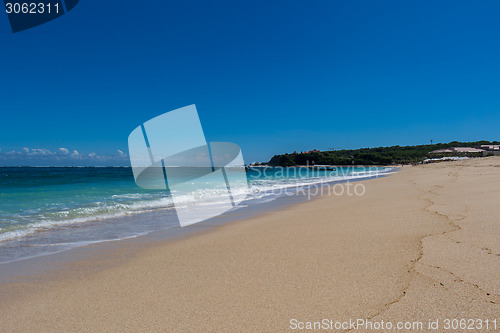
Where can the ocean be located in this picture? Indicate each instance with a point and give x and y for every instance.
(46, 210)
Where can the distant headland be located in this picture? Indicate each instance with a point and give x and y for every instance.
(387, 155)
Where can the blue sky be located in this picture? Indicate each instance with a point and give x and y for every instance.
(271, 76)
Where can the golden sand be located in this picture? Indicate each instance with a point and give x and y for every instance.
(421, 244)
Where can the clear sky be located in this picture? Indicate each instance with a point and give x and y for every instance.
(271, 76)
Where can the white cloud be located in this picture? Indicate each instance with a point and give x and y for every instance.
(39, 152)
(60, 156)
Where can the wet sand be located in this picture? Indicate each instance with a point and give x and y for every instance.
(421, 244)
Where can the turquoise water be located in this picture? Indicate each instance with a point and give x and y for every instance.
(44, 210)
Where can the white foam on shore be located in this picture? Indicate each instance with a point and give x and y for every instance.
(106, 211)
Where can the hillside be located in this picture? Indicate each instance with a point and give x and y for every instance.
(367, 156)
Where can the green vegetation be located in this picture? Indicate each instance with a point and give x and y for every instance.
(368, 156)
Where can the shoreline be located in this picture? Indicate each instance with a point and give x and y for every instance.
(31, 267)
(353, 257)
(247, 209)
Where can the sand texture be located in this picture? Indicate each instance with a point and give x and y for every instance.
(421, 244)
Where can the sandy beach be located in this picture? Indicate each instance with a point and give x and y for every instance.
(422, 244)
